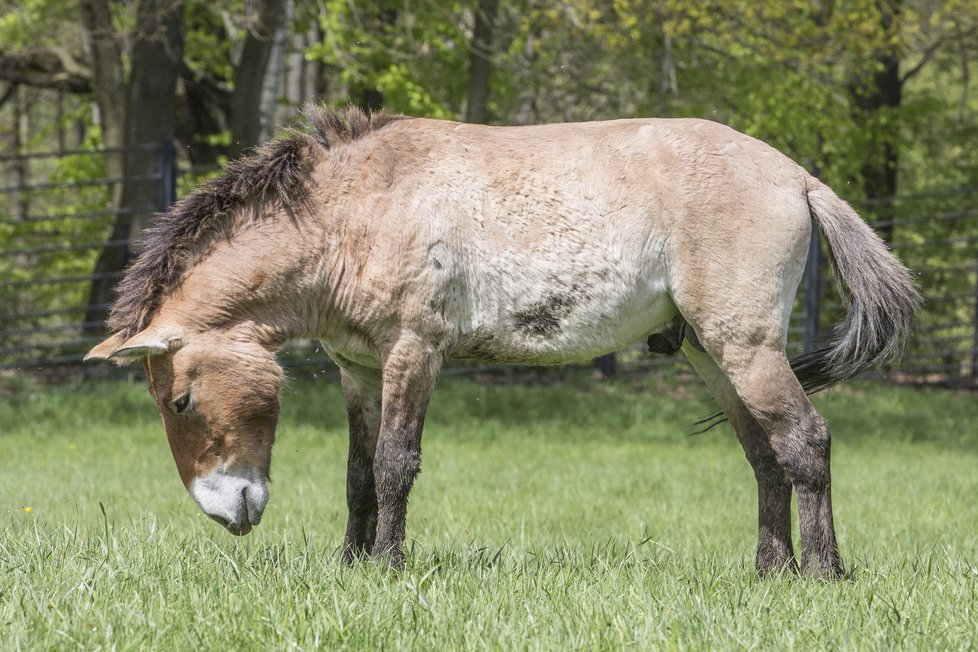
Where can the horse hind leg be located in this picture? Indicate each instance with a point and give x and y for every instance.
(774, 548)
(763, 380)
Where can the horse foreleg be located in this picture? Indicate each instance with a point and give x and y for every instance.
(362, 389)
(410, 371)
(774, 547)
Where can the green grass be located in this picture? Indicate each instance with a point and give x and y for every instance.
(577, 515)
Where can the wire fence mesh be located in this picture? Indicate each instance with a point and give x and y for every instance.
(59, 212)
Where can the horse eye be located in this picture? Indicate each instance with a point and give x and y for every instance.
(182, 403)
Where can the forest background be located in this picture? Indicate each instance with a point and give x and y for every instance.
(873, 96)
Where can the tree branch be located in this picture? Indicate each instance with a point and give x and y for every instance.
(929, 53)
(45, 69)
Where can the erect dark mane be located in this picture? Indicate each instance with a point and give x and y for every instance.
(331, 127)
(276, 173)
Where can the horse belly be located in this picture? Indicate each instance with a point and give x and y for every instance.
(587, 316)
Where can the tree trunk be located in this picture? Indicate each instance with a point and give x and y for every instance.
(22, 203)
(245, 119)
(480, 63)
(102, 44)
(107, 82)
(876, 93)
(203, 111)
(274, 83)
(880, 172)
(149, 118)
(157, 58)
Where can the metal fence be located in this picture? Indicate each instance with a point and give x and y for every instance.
(58, 210)
(936, 235)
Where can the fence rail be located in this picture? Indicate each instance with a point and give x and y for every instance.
(57, 213)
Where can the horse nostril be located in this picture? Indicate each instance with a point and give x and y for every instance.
(255, 497)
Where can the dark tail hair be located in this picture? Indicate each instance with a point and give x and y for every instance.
(878, 292)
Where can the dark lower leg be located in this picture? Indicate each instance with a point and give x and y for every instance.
(361, 500)
(801, 444)
(774, 548)
(804, 452)
(410, 370)
(819, 549)
(395, 468)
(363, 411)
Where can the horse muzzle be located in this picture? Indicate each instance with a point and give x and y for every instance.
(236, 501)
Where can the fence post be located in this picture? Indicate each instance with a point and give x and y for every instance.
(813, 292)
(974, 337)
(168, 174)
(607, 365)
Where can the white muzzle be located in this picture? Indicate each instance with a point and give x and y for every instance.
(234, 501)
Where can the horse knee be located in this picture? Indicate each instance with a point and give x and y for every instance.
(803, 450)
(396, 464)
(796, 431)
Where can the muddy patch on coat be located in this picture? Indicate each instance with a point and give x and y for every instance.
(543, 318)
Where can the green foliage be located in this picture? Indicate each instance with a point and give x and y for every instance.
(795, 73)
(51, 233)
(208, 45)
(28, 23)
(413, 57)
(787, 72)
(575, 516)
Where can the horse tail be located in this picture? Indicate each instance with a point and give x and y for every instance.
(878, 292)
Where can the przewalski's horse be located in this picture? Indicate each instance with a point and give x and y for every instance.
(399, 242)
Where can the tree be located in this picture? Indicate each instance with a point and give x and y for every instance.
(223, 75)
(823, 81)
(129, 58)
(147, 115)
(249, 77)
(480, 62)
(382, 54)
(874, 96)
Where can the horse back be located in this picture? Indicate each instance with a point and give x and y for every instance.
(555, 243)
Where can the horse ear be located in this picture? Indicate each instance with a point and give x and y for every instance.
(140, 345)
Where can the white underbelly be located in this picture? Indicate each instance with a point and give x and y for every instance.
(556, 322)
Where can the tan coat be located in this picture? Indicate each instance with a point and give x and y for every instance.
(401, 242)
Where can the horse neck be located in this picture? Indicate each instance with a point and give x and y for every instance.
(263, 282)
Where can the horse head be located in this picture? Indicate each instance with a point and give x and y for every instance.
(218, 397)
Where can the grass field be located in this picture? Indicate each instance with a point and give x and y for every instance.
(572, 516)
